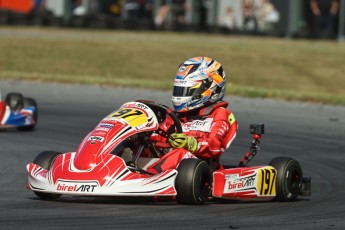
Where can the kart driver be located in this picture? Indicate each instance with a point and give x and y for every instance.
(208, 127)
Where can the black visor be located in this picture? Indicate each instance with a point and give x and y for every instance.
(180, 91)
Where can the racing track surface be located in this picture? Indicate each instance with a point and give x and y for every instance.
(313, 134)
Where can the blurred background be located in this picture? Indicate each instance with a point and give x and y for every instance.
(321, 19)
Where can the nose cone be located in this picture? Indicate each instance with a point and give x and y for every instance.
(86, 156)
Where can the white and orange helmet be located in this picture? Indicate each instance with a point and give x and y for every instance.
(199, 82)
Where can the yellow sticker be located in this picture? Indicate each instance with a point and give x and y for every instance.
(267, 181)
(133, 117)
(231, 118)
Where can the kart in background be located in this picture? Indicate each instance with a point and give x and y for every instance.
(18, 112)
(102, 167)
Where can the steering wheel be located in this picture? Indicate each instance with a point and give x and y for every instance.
(161, 111)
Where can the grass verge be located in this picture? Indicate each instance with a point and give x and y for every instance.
(256, 67)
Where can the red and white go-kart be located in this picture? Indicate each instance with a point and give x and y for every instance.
(99, 167)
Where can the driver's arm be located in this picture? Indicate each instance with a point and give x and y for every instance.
(222, 133)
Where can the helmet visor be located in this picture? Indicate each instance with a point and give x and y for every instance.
(184, 91)
(180, 91)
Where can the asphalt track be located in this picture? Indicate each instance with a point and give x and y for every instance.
(313, 134)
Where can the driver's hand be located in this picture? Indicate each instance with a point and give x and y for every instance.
(181, 140)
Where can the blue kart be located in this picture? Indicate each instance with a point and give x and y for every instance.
(18, 112)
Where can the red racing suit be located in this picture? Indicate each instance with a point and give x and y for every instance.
(2, 110)
(214, 128)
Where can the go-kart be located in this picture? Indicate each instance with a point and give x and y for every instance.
(102, 167)
(18, 112)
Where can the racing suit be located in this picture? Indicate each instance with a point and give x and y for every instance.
(214, 128)
(2, 110)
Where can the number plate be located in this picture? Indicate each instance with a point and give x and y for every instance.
(267, 181)
(132, 116)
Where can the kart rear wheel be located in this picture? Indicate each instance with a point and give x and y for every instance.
(15, 101)
(45, 160)
(30, 102)
(289, 178)
(193, 182)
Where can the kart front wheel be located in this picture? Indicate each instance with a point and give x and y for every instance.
(45, 160)
(289, 178)
(193, 182)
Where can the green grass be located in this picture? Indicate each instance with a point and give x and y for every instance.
(255, 66)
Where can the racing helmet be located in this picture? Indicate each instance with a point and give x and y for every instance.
(199, 82)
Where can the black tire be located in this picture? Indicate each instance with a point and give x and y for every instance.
(289, 178)
(45, 160)
(193, 182)
(30, 102)
(15, 101)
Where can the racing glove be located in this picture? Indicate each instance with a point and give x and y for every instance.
(181, 140)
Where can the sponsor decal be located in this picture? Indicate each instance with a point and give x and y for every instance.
(102, 129)
(199, 125)
(180, 82)
(215, 97)
(185, 83)
(143, 126)
(231, 176)
(70, 187)
(135, 105)
(241, 183)
(141, 106)
(231, 119)
(106, 125)
(94, 139)
(181, 99)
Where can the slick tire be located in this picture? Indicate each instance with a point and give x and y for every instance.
(15, 101)
(45, 160)
(193, 182)
(26, 103)
(289, 178)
